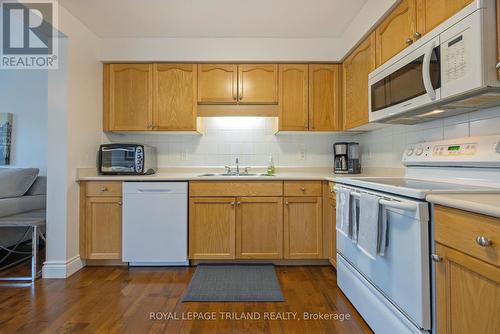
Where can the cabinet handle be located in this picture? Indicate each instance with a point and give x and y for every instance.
(238, 203)
(408, 41)
(104, 189)
(498, 66)
(303, 189)
(483, 241)
(232, 203)
(286, 203)
(436, 258)
(417, 35)
(120, 203)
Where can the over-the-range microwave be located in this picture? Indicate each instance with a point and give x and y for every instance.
(450, 70)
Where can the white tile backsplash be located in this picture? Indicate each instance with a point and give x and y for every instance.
(251, 139)
(385, 147)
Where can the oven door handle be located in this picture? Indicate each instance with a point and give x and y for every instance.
(118, 149)
(407, 206)
(426, 71)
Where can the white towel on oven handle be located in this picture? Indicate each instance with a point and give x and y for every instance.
(343, 219)
(368, 229)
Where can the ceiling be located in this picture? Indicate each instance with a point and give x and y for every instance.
(216, 18)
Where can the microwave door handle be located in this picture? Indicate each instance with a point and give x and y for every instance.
(426, 71)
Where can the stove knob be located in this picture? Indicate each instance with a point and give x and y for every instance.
(409, 151)
(419, 151)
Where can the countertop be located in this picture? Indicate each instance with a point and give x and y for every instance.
(193, 174)
(487, 204)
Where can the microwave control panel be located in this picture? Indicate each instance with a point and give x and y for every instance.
(471, 151)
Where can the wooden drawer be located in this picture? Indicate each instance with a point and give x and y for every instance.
(302, 188)
(459, 229)
(104, 188)
(235, 188)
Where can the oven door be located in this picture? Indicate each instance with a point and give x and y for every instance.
(117, 160)
(410, 82)
(402, 274)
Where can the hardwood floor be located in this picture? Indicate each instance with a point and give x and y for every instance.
(118, 300)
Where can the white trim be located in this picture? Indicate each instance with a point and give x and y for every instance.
(62, 269)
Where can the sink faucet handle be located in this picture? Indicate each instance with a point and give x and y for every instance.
(228, 169)
(246, 169)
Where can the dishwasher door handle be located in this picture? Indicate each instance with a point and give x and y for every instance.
(154, 190)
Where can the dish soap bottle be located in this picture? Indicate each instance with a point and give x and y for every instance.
(270, 166)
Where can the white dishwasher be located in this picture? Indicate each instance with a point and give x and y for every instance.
(155, 223)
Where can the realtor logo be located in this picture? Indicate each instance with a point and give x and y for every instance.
(29, 34)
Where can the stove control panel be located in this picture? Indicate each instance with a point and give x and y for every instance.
(463, 152)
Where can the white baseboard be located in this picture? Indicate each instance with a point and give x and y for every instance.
(62, 269)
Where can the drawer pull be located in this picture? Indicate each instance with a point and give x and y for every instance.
(408, 41)
(238, 203)
(483, 241)
(436, 258)
(104, 189)
(303, 189)
(232, 203)
(120, 203)
(286, 203)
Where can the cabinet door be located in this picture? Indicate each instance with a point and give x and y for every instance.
(128, 97)
(259, 228)
(217, 83)
(467, 294)
(294, 97)
(430, 13)
(303, 228)
(175, 89)
(258, 84)
(212, 228)
(324, 97)
(356, 68)
(104, 228)
(396, 31)
(329, 232)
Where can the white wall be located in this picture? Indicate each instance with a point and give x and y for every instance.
(384, 147)
(247, 49)
(251, 139)
(24, 94)
(75, 130)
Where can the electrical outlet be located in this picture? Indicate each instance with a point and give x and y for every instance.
(302, 154)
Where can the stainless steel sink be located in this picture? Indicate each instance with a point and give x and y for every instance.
(232, 174)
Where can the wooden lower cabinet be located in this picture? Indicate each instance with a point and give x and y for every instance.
(259, 228)
(467, 294)
(329, 221)
(303, 228)
(100, 220)
(212, 223)
(104, 228)
(467, 271)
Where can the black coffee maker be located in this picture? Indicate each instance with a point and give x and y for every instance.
(346, 158)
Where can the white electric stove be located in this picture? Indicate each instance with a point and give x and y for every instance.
(394, 292)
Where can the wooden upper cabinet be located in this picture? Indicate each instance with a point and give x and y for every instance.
(258, 84)
(355, 72)
(294, 97)
(396, 31)
(212, 228)
(303, 228)
(128, 98)
(259, 227)
(175, 96)
(324, 97)
(217, 83)
(467, 294)
(430, 13)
